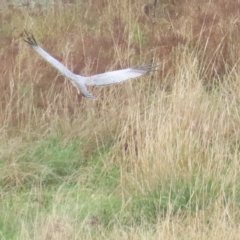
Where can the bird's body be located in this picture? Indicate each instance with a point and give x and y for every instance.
(103, 79)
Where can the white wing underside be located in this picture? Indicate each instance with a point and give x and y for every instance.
(118, 76)
(103, 79)
(55, 63)
(77, 80)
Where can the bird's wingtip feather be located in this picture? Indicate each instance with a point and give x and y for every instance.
(29, 38)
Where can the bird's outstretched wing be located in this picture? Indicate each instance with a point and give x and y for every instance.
(54, 62)
(76, 79)
(118, 76)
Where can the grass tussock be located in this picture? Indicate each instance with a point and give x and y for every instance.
(154, 158)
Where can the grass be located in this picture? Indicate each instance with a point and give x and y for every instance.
(153, 158)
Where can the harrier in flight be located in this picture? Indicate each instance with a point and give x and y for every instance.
(81, 82)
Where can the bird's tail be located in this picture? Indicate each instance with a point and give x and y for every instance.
(83, 89)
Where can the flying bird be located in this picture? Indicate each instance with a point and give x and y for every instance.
(103, 79)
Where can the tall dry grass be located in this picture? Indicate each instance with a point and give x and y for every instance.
(176, 128)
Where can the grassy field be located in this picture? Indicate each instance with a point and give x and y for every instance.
(154, 158)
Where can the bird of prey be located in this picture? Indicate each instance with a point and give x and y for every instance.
(103, 79)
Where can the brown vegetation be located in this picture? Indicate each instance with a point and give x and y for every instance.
(181, 121)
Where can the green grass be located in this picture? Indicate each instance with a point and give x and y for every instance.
(96, 198)
(153, 158)
(62, 179)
